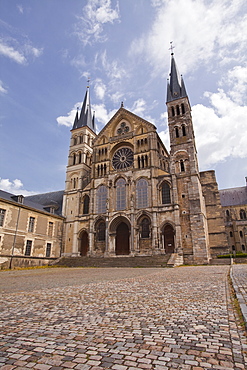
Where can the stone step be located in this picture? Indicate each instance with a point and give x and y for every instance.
(137, 261)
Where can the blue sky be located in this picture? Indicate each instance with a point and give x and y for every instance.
(49, 48)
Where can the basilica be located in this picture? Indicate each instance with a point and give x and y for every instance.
(126, 194)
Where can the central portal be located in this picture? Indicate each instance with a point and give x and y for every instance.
(122, 240)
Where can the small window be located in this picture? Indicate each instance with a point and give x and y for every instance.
(241, 233)
(178, 110)
(48, 250)
(173, 112)
(79, 157)
(184, 130)
(86, 205)
(74, 159)
(182, 168)
(242, 214)
(28, 248)
(183, 108)
(243, 247)
(2, 214)
(231, 234)
(227, 213)
(165, 193)
(177, 131)
(233, 247)
(145, 228)
(50, 229)
(31, 224)
(100, 232)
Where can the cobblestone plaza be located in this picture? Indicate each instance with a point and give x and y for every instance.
(117, 318)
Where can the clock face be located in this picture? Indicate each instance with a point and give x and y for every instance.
(123, 158)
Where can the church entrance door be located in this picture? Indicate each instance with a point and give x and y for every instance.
(169, 243)
(122, 239)
(83, 243)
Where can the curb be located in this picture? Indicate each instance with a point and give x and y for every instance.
(240, 298)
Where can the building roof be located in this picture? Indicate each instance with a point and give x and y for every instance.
(175, 86)
(86, 118)
(233, 196)
(40, 202)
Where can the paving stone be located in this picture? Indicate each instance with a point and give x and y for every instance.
(154, 319)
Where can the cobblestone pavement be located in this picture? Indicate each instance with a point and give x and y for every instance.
(120, 319)
(239, 280)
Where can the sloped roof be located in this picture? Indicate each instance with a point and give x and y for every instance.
(40, 202)
(233, 196)
(54, 198)
(175, 86)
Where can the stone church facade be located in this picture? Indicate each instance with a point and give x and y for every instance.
(127, 195)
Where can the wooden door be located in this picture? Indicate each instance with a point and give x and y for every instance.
(122, 239)
(84, 244)
(169, 239)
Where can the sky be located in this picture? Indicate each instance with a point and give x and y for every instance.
(50, 48)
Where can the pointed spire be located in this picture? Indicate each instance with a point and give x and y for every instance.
(86, 118)
(175, 86)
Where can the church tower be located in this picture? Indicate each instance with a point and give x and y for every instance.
(78, 173)
(184, 171)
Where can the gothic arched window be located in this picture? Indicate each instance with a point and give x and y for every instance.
(100, 231)
(142, 193)
(101, 199)
(120, 194)
(74, 159)
(177, 132)
(86, 205)
(183, 108)
(242, 214)
(178, 110)
(182, 168)
(165, 193)
(184, 130)
(145, 228)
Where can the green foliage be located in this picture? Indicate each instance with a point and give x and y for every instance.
(235, 255)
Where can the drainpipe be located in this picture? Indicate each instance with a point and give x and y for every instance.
(13, 246)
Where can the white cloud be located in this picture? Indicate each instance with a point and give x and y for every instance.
(10, 52)
(18, 54)
(236, 79)
(20, 8)
(14, 187)
(100, 89)
(3, 90)
(69, 119)
(220, 129)
(95, 14)
(102, 115)
(200, 31)
(113, 68)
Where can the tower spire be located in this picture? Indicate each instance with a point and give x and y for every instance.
(86, 118)
(175, 86)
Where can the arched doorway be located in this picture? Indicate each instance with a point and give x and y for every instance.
(83, 243)
(122, 239)
(169, 243)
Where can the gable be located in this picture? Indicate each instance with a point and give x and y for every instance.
(123, 125)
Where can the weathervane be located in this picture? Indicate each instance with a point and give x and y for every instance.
(171, 47)
(88, 81)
